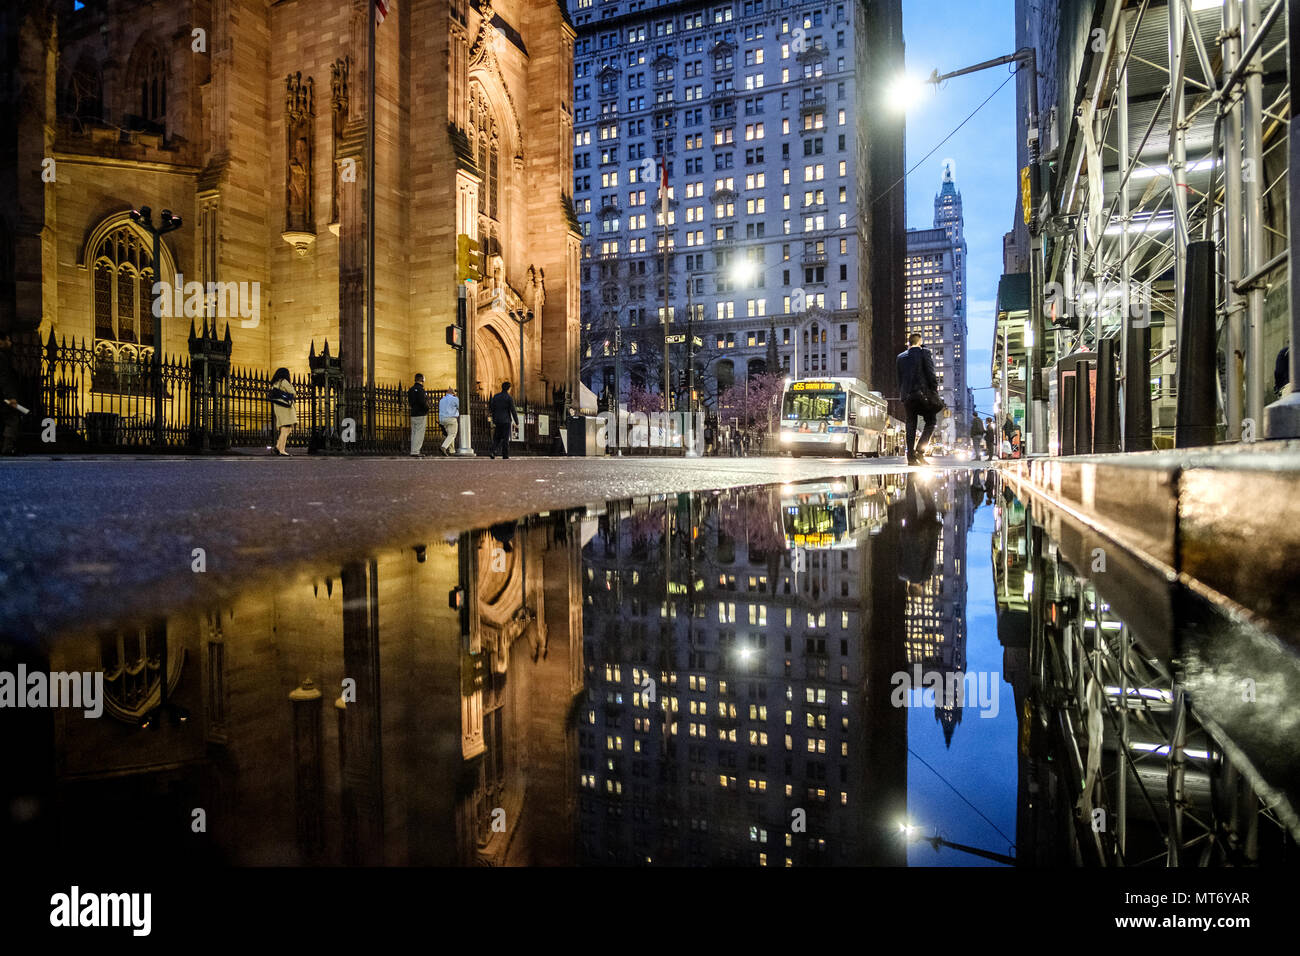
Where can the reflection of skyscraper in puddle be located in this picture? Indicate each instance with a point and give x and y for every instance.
(728, 717)
(936, 591)
(397, 710)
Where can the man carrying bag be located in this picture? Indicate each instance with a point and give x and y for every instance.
(919, 387)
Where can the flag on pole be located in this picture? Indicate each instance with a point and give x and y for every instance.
(381, 11)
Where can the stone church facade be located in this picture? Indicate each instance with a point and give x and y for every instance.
(248, 118)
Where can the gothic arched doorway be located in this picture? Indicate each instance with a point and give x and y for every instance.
(493, 361)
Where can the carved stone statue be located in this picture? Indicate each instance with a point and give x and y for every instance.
(339, 107)
(299, 123)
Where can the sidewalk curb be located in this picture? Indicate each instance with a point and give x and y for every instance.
(1226, 519)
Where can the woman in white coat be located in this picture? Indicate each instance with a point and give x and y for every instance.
(286, 416)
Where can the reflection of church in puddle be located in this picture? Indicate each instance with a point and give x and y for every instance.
(317, 721)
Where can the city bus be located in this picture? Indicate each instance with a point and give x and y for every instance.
(835, 416)
(832, 515)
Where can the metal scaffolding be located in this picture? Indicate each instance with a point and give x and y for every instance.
(1179, 134)
(1151, 765)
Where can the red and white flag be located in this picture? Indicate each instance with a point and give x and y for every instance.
(663, 179)
(381, 11)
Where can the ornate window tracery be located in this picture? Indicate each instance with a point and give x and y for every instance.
(122, 292)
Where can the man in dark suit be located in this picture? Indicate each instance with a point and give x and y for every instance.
(501, 409)
(916, 375)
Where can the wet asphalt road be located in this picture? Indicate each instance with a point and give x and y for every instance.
(92, 540)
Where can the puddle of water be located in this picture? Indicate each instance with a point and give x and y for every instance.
(875, 670)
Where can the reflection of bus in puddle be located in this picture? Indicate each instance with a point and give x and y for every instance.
(833, 514)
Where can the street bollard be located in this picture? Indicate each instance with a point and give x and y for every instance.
(1197, 419)
(1105, 439)
(1083, 409)
(1137, 389)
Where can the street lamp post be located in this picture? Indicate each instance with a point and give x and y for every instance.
(618, 378)
(911, 833)
(143, 217)
(1026, 58)
(522, 318)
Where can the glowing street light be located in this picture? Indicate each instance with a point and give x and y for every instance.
(912, 833)
(905, 91)
(743, 271)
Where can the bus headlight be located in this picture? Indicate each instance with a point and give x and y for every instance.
(787, 436)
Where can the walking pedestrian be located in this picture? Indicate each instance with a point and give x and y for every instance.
(1011, 432)
(449, 416)
(501, 409)
(919, 386)
(990, 439)
(976, 436)
(282, 398)
(11, 412)
(418, 400)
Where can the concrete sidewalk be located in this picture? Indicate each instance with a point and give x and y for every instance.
(1226, 519)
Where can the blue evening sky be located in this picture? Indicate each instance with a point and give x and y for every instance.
(947, 35)
(982, 761)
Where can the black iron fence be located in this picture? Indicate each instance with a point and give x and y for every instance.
(85, 396)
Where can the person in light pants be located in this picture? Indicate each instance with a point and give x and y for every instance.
(419, 405)
(449, 415)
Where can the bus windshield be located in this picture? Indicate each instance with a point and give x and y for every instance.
(817, 519)
(814, 406)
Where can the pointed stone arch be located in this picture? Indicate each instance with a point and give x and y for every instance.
(487, 79)
(145, 92)
(99, 231)
(495, 357)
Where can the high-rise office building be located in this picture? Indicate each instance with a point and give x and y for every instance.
(774, 158)
(948, 216)
(935, 272)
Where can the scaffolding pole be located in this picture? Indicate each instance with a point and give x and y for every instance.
(1125, 264)
(1252, 121)
(1233, 235)
(1178, 158)
(1282, 419)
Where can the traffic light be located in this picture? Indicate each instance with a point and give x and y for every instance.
(468, 262)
